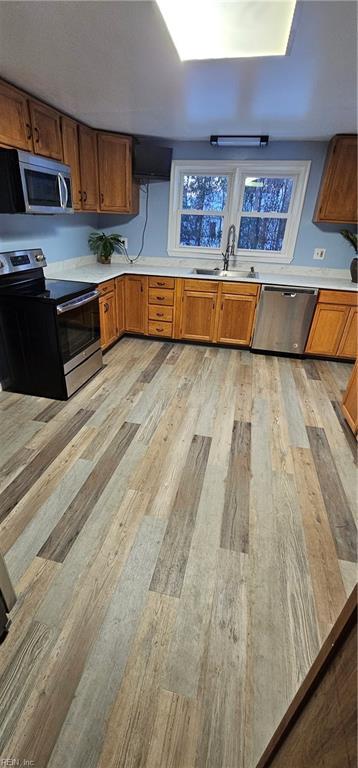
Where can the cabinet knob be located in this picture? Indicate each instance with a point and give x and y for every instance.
(37, 135)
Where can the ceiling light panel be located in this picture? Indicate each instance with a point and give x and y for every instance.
(210, 29)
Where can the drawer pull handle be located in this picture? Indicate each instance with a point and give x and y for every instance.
(106, 307)
(161, 285)
(159, 329)
(84, 197)
(37, 135)
(160, 298)
(160, 314)
(29, 131)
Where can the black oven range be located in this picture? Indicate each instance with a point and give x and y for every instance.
(49, 329)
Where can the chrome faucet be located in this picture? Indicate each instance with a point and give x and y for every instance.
(230, 246)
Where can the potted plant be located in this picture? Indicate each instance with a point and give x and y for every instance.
(351, 237)
(103, 245)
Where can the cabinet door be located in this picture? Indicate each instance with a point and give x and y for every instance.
(136, 299)
(115, 172)
(88, 167)
(337, 199)
(349, 342)
(46, 130)
(15, 128)
(236, 319)
(71, 157)
(198, 316)
(327, 328)
(350, 401)
(108, 319)
(120, 306)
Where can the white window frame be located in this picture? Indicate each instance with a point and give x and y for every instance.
(237, 172)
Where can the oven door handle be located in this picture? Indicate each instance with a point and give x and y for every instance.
(75, 303)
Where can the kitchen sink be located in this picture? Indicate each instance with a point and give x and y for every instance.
(225, 273)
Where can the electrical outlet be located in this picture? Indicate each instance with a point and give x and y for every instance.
(319, 253)
(124, 240)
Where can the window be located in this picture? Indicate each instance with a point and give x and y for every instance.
(205, 197)
(263, 200)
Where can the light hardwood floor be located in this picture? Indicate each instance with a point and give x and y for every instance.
(182, 538)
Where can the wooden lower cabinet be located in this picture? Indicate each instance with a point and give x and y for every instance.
(350, 401)
(136, 303)
(236, 319)
(108, 319)
(327, 329)
(348, 346)
(198, 315)
(120, 308)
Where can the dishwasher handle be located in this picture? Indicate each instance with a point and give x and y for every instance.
(289, 291)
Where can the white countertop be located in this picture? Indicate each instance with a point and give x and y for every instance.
(98, 273)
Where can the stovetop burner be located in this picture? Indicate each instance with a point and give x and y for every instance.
(21, 273)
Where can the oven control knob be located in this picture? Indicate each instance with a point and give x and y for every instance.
(39, 257)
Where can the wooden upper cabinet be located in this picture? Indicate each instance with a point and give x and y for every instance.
(348, 346)
(337, 198)
(46, 130)
(88, 168)
(198, 315)
(71, 157)
(115, 172)
(136, 300)
(15, 128)
(327, 328)
(236, 319)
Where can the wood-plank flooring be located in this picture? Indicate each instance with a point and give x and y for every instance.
(182, 537)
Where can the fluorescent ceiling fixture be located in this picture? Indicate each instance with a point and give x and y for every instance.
(211, 29)
(239, 141)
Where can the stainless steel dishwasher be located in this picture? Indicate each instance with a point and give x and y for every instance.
(283, 318)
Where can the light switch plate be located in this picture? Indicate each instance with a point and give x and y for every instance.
(319, 253)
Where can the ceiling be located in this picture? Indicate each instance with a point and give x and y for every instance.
(114, 66)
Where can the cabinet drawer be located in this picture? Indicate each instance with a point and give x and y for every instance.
(159, 329)
(338, 297)
(209, 286)
(161, 282)
(240, 289)
(106, 287)
(161, 296)
(164, 314)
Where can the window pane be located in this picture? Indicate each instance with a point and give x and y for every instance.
(266, 195)
(205, 193)
(261, 234)
(204, 231)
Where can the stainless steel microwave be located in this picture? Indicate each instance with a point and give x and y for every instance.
(33, 184)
